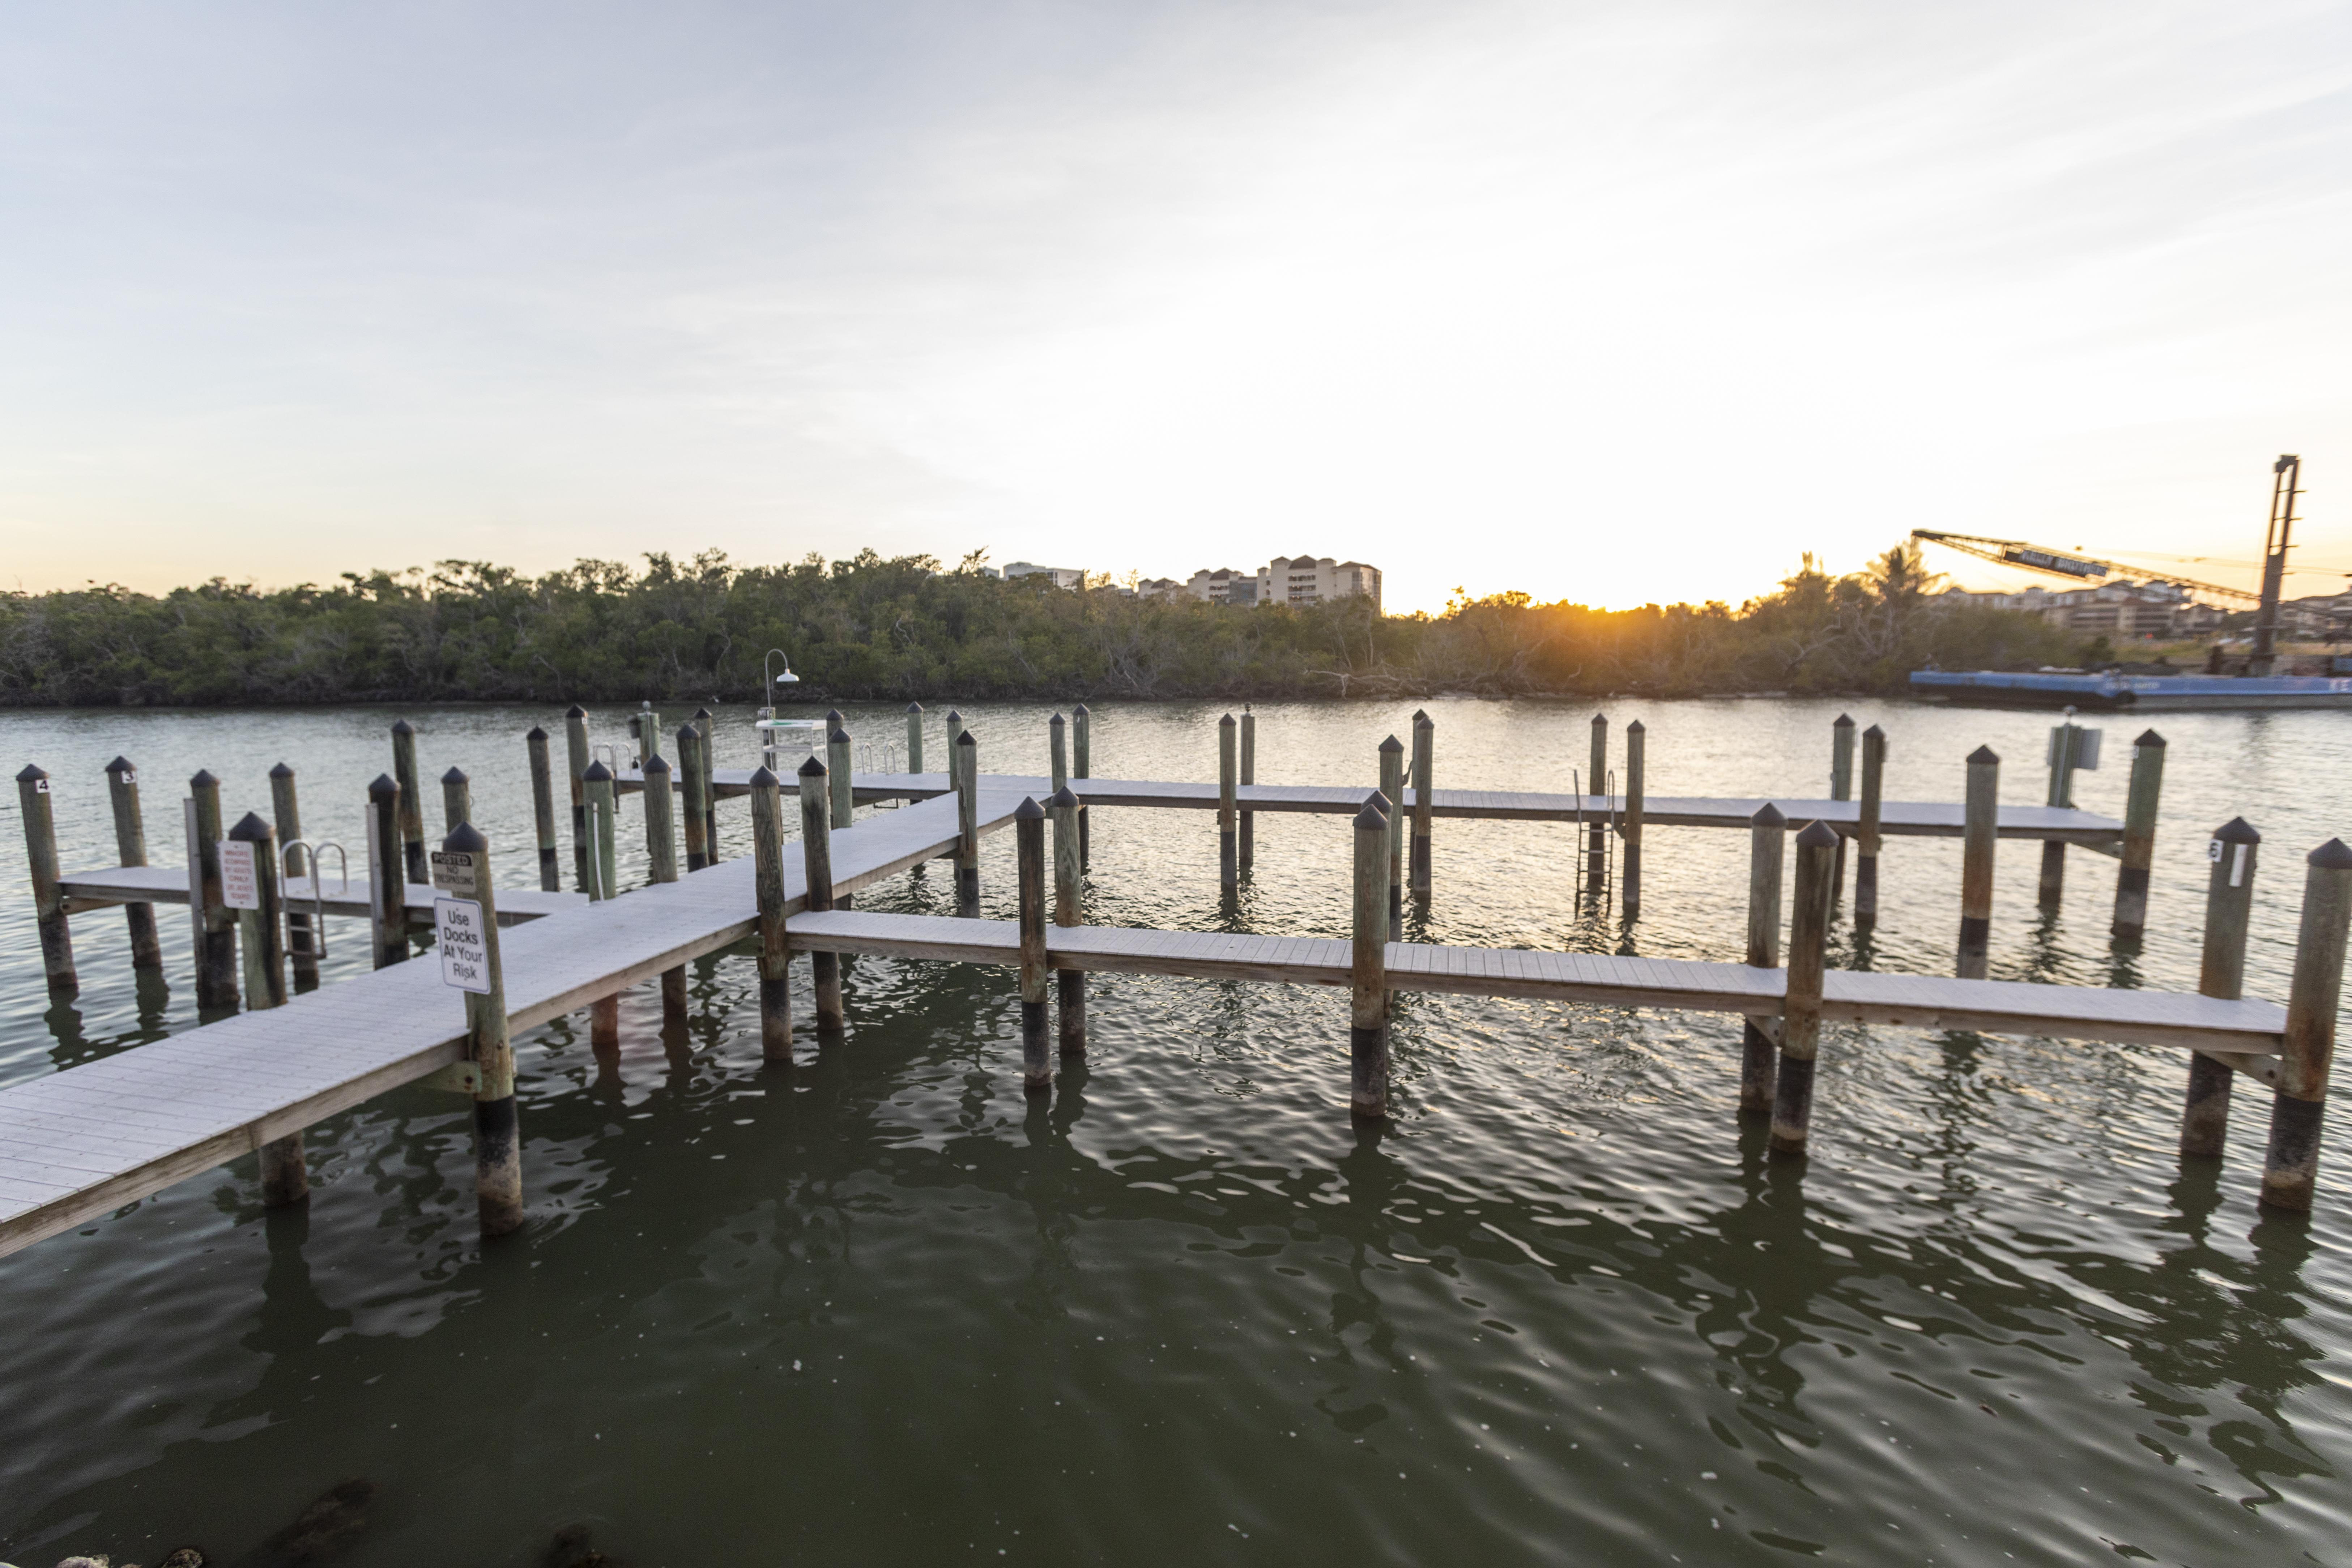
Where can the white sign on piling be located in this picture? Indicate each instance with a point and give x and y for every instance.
(465, 957)
(240, 882)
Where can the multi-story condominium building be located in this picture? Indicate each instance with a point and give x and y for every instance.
(1062, 576)
(2124, 609)
(1289, 580)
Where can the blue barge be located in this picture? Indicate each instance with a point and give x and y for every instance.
(2130, 693)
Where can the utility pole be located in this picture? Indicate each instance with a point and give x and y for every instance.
(2286, 485)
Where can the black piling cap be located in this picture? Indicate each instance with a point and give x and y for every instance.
(1227, 722)
(249, 829)
(1841, 723)
(1599, 720)
(1061, 797)
(31, 773)
(763, 778)
(1636, 725)
(1391, 745)
(1056, 723)
(1372, 819)
(811, 769)
(967, 739)
(280, 772)
(2237, 830)
(383, 787)
(2149, 738)
(204, 779)
(1421, 716)
(1875, 730)
(1983, 754)
(1028, 810)
(914, 708)
(535, 733)
(596, 773)
(1769, 815)
(2333, 856)
(455, 775)
(120, 765)
(838, 738)
(575, 712)
(954, 717)
(687, 732)
(702, 712)
(1379, 803)
(833, 717)
(466, 839)
(654, 765)
(1818, 836)
(1080, 710)
(403, 727)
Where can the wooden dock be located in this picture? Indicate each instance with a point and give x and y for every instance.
(107, 885)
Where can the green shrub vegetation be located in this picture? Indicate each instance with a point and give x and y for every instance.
(871, 628)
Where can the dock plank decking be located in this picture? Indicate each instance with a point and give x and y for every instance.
(110, 885)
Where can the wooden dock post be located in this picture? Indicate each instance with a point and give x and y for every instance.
(1768, 843)
(215, 923)
(576, 758)
(1249, 777)
(646, 726)
(1800, 1011)
(48, 896)
(775, 954)
(131, 847)
(2139, 836)
(1029, 852)
(694, 774)
(1070, 985)
(2235, 852)
(542, 810)
(661, 851)
(705, 725)
(604, 882)
(411, 799)
(816, 850)
(2291, 1163)
(841, 768)
(914, 737)
(387, 900)
(1866, 833)
(1229, 769)
(1629, 824)
(1980, 825)
(968, 822)
(285, 1174)
(1840, 788)
(1596, 840)
(1368, 1020)
(2065, 743)
(954, 724)
(456, 800)
(1082, 767)
(1393, 792)
(286, 818)
(1425, 757)
(462, 870)
(1057, 751)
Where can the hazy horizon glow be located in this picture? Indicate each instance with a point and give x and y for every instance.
(1610, 302)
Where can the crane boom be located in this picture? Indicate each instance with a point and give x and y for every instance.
(2056, 563)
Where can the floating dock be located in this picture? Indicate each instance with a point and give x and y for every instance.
(2131, 693)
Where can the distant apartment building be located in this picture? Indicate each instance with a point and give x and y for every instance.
(2114, 609)
(1061, 577)
(1290, 580)
(1161, 588)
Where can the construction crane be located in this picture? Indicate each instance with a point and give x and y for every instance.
(2059, 563)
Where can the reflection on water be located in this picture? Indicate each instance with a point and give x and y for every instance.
(883, 1307)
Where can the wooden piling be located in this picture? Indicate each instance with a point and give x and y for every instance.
(48, 894)
(604, 882)
(456, 800)
(285, 1174)
(1057, 751)
(286, 818)
(463, 871)
(387, 906)
(707, 760)
(1768, 837)
(841, 765)
(2291, 1163)
(1029, 852)
(542, 810)
(968, 822)
(661, 851)
(411, 799)
(1368, 1031)
(1629, 824)
(816, 850)
(1392, 791)
(646, 726)
(1596, 841)
(1424, 756)
(775, 953)
(914, 737)
(1801, 1010)
(575, 761)
(694, 775)
(2234, 853)
(1979, 824)
(2140, 800)
(1840, 788)
(1229, 766)
(954, 724)
(1082, 767)
(2066, 741)
(215, 923)
(1249, 777)
(1866, 835)
(1070, 985)
(130, 848)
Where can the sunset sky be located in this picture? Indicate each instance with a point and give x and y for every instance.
(1615, 302)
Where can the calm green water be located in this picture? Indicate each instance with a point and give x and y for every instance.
(879, 1308)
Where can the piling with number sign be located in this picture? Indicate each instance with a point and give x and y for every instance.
(1981, 825)
(1393, 792)
(1767, 839)
(1800, 1009)
(816, 850)
(49, 896)
(411, 799)
(1840, 788)
(1249, 777)
(1070, 985)
(467, 917)
(661, 851)
(284, 1174)
(693, 755)
(1424, 756)
(1029, 854)
(1866, 833)
(542, 810)
(387, 901)
(1629, 824)
(768, 878)
(2235, 853)
(2291, 1160)
(967, 771)
(130, 848)
(575, 761)
(1368, 1017)
(214, 923)
(2140, 800)
(1229, 766)
(2065, 742)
